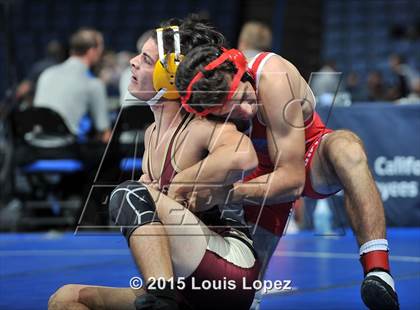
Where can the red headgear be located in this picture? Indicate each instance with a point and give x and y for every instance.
(233, 55)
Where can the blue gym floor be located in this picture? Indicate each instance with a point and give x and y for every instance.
(325, 272)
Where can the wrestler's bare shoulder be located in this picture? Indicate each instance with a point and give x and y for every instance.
(280, 76)
(277, 63)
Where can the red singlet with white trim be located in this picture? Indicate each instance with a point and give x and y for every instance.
(274, 218)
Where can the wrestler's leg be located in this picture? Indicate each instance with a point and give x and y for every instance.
(190, 240)
(133, 203)
(133, 209)
(188, 236)
(150, 248)
(83, 297)
(341, 160)
(153, 225)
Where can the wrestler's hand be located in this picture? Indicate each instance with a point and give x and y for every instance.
(178, 196)
(146, 180)
(197, 201)
(187, 199)
(206, 198)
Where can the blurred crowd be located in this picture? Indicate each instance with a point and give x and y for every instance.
(112, 70)
(401, 87)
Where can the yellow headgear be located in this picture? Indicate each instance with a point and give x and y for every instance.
(166, 66)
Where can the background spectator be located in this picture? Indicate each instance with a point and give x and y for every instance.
(414, 96)
(70, 88)
(354, 87)
(254, 38)
(405, 76)
(327, 87)
(54, 54)
(376, 90)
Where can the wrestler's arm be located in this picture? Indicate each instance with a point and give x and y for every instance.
(279, 89)
(230, 152)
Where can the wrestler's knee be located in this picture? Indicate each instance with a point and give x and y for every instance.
(345, 149)
(52, 302)
(130, 206)
(65, 294)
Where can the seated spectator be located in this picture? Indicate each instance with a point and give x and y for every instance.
(325, 84)
(354, 87)
(109, 72)
(254, 38)
(54, 54)
(111, 68)
(70, 88)
(73, 91)
(414, 96)
(376, 90)
(405, 76)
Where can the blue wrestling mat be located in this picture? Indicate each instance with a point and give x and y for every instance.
(324, 272)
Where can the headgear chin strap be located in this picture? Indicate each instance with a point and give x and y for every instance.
(234, 56)
(153, 101)
(129, 99)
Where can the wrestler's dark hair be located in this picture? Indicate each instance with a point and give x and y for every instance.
(198, 35)
(194, 31)
(213, 88)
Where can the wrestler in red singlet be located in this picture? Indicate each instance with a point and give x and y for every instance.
(274, 218)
